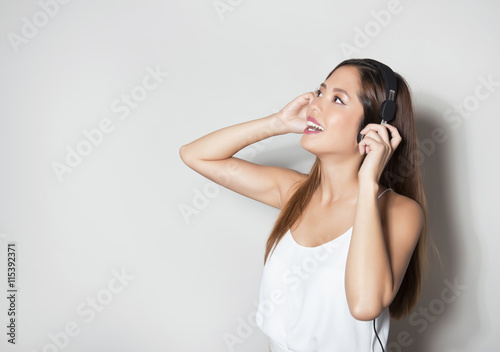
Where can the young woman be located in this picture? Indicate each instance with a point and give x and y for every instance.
(341, 259)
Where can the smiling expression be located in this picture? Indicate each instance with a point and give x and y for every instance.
(337, 110)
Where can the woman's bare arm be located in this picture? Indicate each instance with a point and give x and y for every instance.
(212, 157)
(379, 255)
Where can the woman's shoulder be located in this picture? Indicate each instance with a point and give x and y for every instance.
(403, 207)
(398, 198)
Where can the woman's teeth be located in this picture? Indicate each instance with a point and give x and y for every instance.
(313, 127)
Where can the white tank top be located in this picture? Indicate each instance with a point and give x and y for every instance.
(303, 305)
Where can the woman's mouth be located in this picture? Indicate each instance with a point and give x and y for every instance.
(313, 126)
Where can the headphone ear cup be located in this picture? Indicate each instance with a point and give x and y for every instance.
(360, 136)
(388, 110)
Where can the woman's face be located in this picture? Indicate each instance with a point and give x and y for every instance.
(338, 110)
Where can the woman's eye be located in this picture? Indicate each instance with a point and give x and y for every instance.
(337, 98)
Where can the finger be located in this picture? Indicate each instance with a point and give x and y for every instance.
(377, 133)
(307, 98)
(374, 135)
(396, 137)
(313, 96)
(373, 126)
(380, 130)
(364, 145)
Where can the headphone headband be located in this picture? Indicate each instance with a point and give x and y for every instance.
(388, 108)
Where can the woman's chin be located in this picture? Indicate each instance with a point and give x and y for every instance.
(311, 145)
(320, 149)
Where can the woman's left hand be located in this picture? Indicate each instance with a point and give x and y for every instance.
(378, 148)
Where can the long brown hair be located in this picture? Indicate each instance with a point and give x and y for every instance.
(402, 174)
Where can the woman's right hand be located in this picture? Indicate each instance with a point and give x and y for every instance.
(294, 114)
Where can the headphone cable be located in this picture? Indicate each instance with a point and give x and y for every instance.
(380, 342)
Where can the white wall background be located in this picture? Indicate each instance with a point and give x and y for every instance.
(68, 66)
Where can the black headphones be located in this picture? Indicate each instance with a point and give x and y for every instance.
(388, 108)
(387, 112)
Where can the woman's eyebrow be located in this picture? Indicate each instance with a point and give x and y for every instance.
(336, 90)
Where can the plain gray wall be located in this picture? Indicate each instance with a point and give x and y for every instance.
(154, 75)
